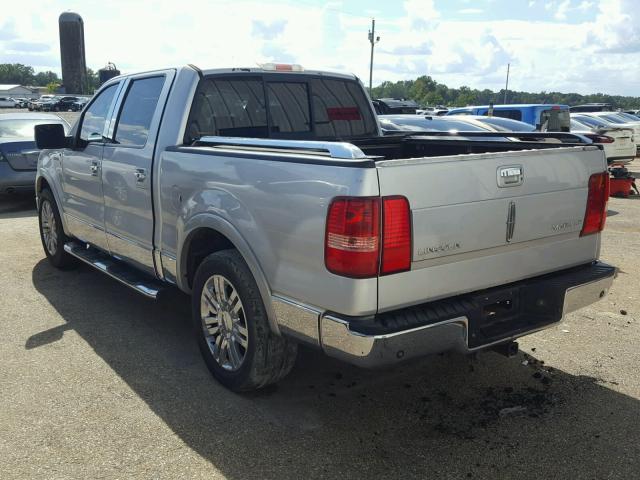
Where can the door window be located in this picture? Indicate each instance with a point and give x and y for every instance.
(137, 111)
(96, 115)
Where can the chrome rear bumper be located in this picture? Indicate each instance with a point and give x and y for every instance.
(571, 290)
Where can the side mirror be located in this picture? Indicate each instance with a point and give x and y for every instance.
(50, 135)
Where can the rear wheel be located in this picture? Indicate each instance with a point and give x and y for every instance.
(51, 232)
(232, 328)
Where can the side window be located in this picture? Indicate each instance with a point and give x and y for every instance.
(289, 107)
(137, 111)
(512, 114)
(233, 108)
(96, 115)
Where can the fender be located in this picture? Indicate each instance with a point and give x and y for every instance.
(43, 173)
(224, 227)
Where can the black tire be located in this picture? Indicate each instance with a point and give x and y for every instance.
(57, 256)
(268, 357)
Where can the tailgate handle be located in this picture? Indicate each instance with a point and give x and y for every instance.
(510, 176)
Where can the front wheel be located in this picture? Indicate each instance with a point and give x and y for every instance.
(51, 232)
(232, 328)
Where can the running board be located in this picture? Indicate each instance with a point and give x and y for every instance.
(122, 272)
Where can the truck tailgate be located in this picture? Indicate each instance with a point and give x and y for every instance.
(483, 220)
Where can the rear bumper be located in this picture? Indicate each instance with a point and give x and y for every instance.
(467, 323)
(16, 180)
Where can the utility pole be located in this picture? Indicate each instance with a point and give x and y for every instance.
(373, 40)
(506, 86)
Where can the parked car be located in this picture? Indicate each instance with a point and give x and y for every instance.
(79, 103)
(635, 113)
(611, 119)
(619, 144)
(592, 107)
(467, 127)
(544, 118)
(437, 111)
(58, 104)
(22, 102)
(18, 152)
(388, 106)
(288, 224)
(7, 102)
(36, 105)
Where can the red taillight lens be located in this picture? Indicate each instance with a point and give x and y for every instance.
(356, 244)
(599, 138)
(396, 236)
(596, 212)
(352, 244)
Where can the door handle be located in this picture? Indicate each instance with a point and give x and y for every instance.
(140, 174)
(94, 168)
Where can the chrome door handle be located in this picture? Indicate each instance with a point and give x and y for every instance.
(94, 169)
(140, 174)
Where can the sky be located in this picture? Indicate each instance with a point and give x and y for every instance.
(584, 46)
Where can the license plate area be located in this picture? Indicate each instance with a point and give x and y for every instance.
(511, 311)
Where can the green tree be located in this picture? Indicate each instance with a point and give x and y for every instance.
(52, 87)
(42, 79)
(93, 82)
(16, 73)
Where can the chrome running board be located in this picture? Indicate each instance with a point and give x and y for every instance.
(129, 276)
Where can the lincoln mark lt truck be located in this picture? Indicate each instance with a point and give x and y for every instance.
(272, 198)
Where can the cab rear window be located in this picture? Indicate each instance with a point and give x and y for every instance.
(279, 107)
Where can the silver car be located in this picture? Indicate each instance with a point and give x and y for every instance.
(18, 152)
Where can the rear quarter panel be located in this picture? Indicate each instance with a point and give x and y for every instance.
(277, 207)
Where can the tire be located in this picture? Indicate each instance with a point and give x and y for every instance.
(51, 232)
(265, 358)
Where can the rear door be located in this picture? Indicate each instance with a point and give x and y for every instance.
(126, 168)
(81, 165)
(483, 220)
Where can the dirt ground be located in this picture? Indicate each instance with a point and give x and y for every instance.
(98, 382)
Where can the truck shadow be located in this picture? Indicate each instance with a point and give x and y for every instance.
(17, 206)
(446, 416)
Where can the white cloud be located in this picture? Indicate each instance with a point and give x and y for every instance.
(544, 55)
(470, 11)
(561, 10)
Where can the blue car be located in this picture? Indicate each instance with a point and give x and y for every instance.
(18, 151)
(544, 117)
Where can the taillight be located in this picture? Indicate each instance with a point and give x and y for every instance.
(367, 236)
(596, 213)
(600, 138)
(396, 235)
(352, 244)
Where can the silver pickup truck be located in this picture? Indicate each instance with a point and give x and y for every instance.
(272, 198)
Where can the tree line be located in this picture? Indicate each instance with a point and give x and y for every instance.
(17, 73)
(427, 92)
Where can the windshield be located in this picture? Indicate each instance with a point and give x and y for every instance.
(593, 122)
(630, 117)
(420, 123)
(507, 125)
(24, 128)
(614, 118)
(577, 126)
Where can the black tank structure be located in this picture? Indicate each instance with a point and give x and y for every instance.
(72, 53)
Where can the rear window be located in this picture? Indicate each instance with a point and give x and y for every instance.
(304, 108)
(592, 122)
(507, 124)
(555, 120)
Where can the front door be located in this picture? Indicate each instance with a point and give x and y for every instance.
(126, 169)
(83, 203)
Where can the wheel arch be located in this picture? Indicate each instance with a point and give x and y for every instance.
(204, 234)
(44, 181)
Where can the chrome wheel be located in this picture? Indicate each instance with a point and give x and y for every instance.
(224, 322)
(48, 224)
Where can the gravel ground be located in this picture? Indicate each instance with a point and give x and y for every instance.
(98, 382)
